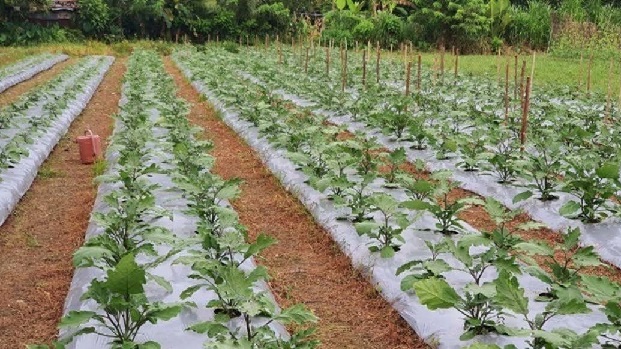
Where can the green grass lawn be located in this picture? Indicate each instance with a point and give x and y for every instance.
(548, 69)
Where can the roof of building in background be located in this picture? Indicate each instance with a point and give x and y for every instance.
(64, 5)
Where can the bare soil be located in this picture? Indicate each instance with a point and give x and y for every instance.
(37, 242)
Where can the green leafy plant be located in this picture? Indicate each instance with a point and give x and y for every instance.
(385, 234)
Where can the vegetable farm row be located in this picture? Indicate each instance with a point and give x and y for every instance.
(455, 285)
(166, 260)
(31, 126)
(25, 69)
(563, 170)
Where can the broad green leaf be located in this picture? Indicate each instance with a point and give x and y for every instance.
(436, 294)
(609, 170)
(601, 289)
(127, 278)
(76, 318)
(534, 248)
(522, 196)
(510, 295)
(419, 205)
(570, 208)
(164, 312)
(387, 252)
(262, 242)
(365, 228)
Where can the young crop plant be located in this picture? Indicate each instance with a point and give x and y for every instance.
(593, 183)
(503, 155)
(476, 301)
(472, 150)
(444, 141)
(569, 301)
(542, 169)
(564, 262)
(367, 151)
(394, 119)
(385, 232)
(243, 316)
(439, 203)
(393, 162)
(356, 198)
(419, 132)
(123, 309)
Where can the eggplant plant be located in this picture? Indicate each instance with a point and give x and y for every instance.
(122, 310)
(476, 301)
(593, 184)
(564, 262)
(393, 161)
(542, 170)
(385, 232)
(440, 204)
(569, 301)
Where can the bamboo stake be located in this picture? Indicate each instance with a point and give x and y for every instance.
(580, 73)
(328, 62)
(456, 62)
(408, 72)
(589, 75)
(609, 94)
(377, 64)
(522, 75)
(364, 69)
(525, 114)
(442, 51)
(344, 77)
(306, 61)
(515, 78)
(507, 94)
(418, 73)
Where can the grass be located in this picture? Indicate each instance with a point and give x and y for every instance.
(46, 172)
(549, 70)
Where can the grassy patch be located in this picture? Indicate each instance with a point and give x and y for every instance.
(549, 70)
(99, 167)
(46, 172)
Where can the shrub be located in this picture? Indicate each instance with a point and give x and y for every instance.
(272, 18)
(364, 31)
(388, 29)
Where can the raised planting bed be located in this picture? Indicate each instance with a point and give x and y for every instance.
(458, 288)
(23, 70)
(164, 236)
(31, 126)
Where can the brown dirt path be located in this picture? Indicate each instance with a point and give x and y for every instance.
(11, 94)
(37, 242)
(306, 265)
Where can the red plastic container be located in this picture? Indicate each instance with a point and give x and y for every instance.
(90, 147)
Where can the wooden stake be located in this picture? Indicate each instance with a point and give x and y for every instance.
(580, 73)
(377, 64)
(609, 94)
(456, 62)
(507, 94)
(306, 60)
(522, 75)
(344, 72)
(442, 51)
(418, 73)
(589, 75)
(364, 69)
(525, 114)
(515, 78)
(328, 61)
(408, 72)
